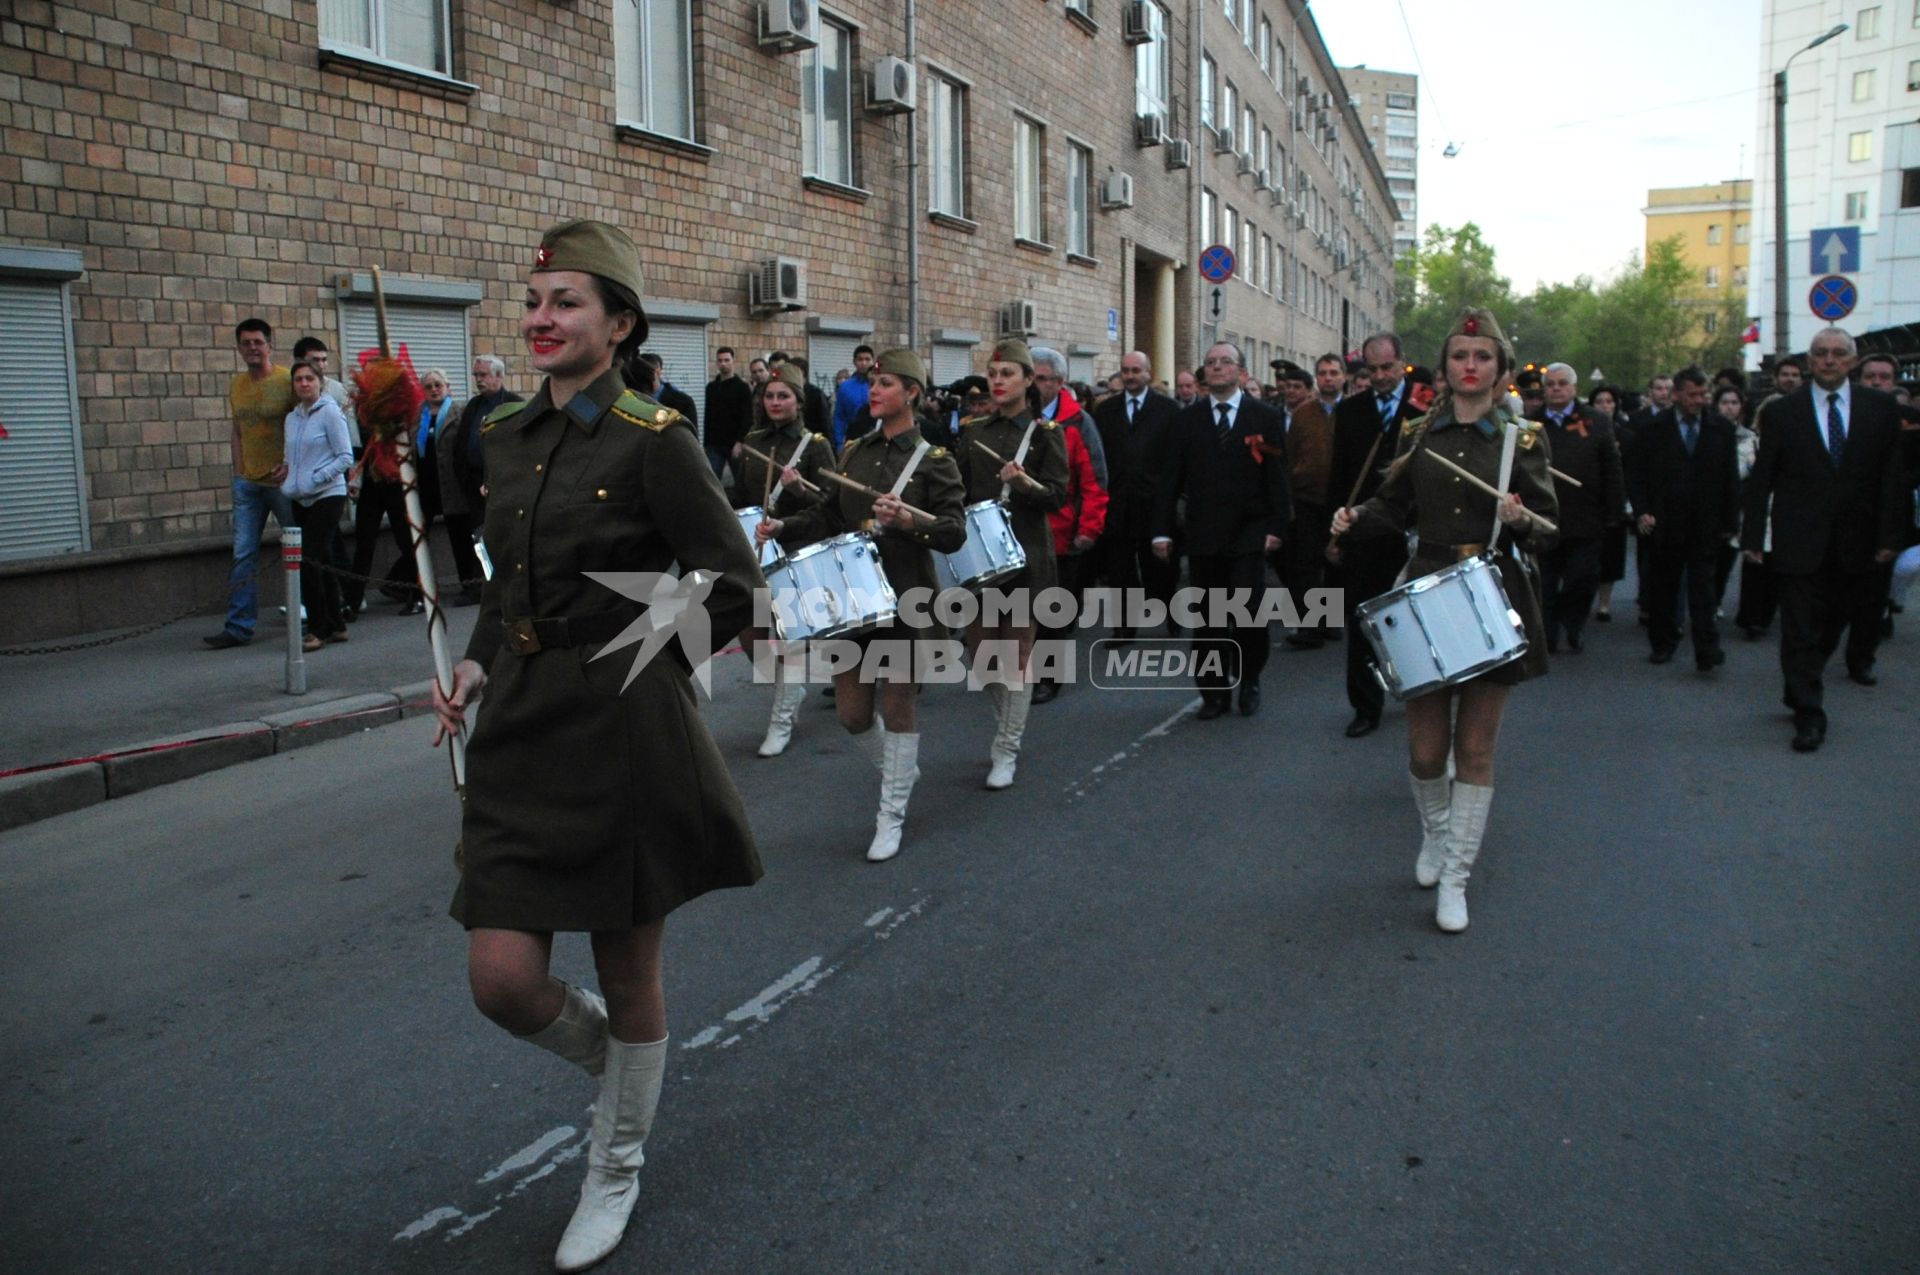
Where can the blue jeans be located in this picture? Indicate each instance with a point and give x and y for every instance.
(252, 502)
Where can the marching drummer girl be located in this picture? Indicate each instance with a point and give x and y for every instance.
(1453, 518)
(905, 470)
(798, 457)
(1014, 456)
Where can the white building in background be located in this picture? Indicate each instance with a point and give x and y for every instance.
(1388, 103)
(1852, 159)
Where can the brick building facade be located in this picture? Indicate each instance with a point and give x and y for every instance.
(166, 173)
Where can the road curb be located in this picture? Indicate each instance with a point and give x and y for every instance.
(299, 727)
(26, 799)
(176, 757)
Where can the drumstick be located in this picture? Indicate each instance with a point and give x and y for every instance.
(994, 456)
(1546, 524)
(1366, 467)
(772, 463)
(845, 481)
(1568, 479)
(766, 488)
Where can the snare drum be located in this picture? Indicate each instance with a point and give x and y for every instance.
(771, 554)
(1442, 629)
(832, 589)
(992, 551)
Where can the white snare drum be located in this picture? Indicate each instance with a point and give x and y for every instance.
(832, 589)
(771, 554)
(992, 551)
(1442, 629)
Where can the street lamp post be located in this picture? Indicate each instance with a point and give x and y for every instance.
(1780, 346)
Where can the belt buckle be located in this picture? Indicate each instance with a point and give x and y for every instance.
(1462, 552)
(521, 639)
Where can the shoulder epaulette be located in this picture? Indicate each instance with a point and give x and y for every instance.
(1529, 434)
(635, 410)
(824, 439)
(975, 420)
(501, 413)
(937, 452)
(1049, 424)
(1412, 425)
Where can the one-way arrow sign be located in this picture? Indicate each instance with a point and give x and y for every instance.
(1215, 311)
(1834, 250)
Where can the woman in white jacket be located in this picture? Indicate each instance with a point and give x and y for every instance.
(319, 453)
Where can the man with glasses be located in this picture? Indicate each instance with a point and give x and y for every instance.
(1366, 433)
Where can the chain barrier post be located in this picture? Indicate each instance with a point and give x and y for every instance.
(291, 551)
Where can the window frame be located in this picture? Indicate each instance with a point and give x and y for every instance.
(961, 109)
(812, 88)
(1856, 207)
(1079, 239)
(1030, 207)
(1866, 23)
(1870, 79)
(1209, 89)
(377, 48)
(1150, 56)
(643, 13)
(1860, 147)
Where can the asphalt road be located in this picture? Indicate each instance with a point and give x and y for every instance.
(1171, 1003)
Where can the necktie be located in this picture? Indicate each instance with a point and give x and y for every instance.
(1226, 422)
(1133, 405)
(1386, 408)
(1836, 433)
(1689, 434)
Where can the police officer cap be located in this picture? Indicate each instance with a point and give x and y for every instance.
(594, 247)
(1014, 350)
(901, 361)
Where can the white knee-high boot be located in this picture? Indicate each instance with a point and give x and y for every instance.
(578, 1033)
(872, 743)
(1466, 828)
(1434, 799)
(787, 698)
(1010, 725)
(900, 767)
(622, 1118)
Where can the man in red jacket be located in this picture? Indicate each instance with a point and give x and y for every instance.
(1077, 524)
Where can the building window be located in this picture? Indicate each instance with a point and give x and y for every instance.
(1263, 158)
(1857, 205)
(1739, 276)
(1713, 233)
(1863, 86)
(1246, 261)
(1266, 48)
(1265, 262)
(1207, 80)
(1229, 109)
(1247, 129)
(947, 146)
(1740, 233)
(1713, 276)
(1079, 200)
(1029, 209)
(1711, 322)
(1246, 22)
(1913, 68)
(1859, 147)
(1867, 25)
(1206, 216)
(653, 65)
(413, 33)
(1150, 66)
(826, 105)
(1230, 228)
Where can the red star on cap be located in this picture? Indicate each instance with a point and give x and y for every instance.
(1471, 327)
(544, 256)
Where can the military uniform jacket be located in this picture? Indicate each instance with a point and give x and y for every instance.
(1453, 518)
(779, 443)
(590, 807)
(1028, 507)
(877, 461)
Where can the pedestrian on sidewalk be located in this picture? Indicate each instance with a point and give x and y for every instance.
(258, 400)
(319, 452)
(596, 800)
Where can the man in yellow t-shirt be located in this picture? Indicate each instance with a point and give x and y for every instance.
(259, 400)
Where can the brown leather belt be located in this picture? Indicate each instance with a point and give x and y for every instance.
(530, 634)
(1458, 553)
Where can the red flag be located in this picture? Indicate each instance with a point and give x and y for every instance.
(1752, 335)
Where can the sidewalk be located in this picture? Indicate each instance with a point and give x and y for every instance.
(212, 708)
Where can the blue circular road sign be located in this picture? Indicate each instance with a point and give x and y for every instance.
(1216, 264)
(1833, 298)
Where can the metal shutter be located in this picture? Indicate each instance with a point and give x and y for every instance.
(42, 498)
(435, 336)
(828, 353)
(951, 362)
(1080, 367)
(682, 348)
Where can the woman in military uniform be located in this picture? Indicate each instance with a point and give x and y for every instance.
(595, 800)
(800, 456)
(1030, 479)
(905, 469)
(1467, 425)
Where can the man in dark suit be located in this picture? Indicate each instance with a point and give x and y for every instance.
(1366, 430)
(1685, 486)
(1227, 459)
(1582, 444)
(1829, 463)
(1302, 561)
(1136, 425)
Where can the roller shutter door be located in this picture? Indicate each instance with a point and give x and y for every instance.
(951, 362)
(42, 499)
(828, 352)
(435, 337)
(682, 348)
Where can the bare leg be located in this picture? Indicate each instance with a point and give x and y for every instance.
(629, 966)
(1477, 731)
(898, 703)
(853, 701)
(1429, 734)
(507, 972)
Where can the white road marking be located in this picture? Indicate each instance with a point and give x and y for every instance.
(427, 1222)
(878, 917)
(532, 1153)
(1078, 788)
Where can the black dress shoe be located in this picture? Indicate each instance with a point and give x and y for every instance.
(1362, 725)
(224, 641)
(1575, 645)
(1663, 656)
(416, 607)
(1044, 690)
(1603, 617)
(1212, 708)
(1249, 700)
(1862, 676)
(1707, 661)
(1808, 736)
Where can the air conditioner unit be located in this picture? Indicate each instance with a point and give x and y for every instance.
(777, 284)
(1263, 180)
(1017, 318)
(1223, 141)
(1279, 196)
(890, 86)
(1149, 130)
(1333, 130)
(1135, 23)
(787, 26)
(1243, 163)
(1339, 258)
(1326, 101)
(1117, 191)
(1179, 153)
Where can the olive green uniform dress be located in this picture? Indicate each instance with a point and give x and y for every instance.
(590, 807)
(779, 442)
(1028, 506)
(1452, 518)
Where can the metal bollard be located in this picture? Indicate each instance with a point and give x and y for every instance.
(291, 551)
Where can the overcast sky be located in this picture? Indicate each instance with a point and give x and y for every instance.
(1565, 114)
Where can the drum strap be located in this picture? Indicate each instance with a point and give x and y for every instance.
(773, 497)
(1020, 456)
(913, 463)
(1508, 445)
